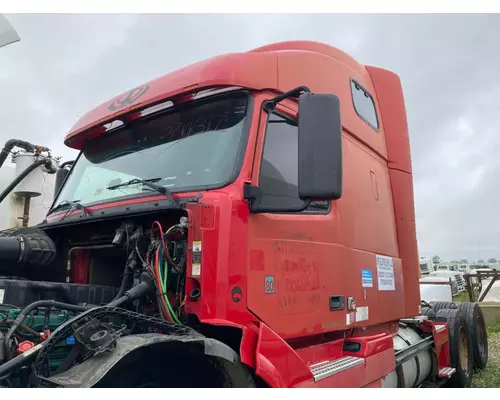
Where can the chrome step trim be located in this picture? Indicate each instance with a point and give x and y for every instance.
(328, 368)
(446, 372)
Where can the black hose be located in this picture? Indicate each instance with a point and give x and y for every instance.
(118, 302)
(124, 284)
(10, 144)
(126, 278)
(21, 359)
(41, 303)
(146, 286)
(20, 177)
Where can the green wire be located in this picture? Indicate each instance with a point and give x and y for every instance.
(163, 279)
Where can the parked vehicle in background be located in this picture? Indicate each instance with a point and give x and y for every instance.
(426, 265)
(457, 276)
(464, 268)
(446, 267)
(437, 292)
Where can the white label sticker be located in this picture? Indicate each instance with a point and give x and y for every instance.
(2, 293)
(350, 318)
(196, 247)
(385, 273)
(196, 270)
(362, 313)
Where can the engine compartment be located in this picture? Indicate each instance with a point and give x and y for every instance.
(137, 264)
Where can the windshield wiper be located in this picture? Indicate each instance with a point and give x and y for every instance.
(150, 183)
(69, 205)
(63, 204)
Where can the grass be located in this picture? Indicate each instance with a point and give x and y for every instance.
(490, 376)
(462, 297)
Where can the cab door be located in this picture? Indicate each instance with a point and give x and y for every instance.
(290, 286)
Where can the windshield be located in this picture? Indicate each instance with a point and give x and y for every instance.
(193, 147)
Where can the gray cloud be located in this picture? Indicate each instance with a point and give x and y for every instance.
(67, 64)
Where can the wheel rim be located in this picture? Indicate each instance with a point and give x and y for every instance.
(463, 350)
(481, 336)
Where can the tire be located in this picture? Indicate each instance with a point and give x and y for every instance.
(460, 345)
(477, 326)
(444, 305)
(429, 312)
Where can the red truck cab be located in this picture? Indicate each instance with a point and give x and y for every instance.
(303, 231)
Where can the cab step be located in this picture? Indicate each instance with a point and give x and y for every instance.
(328, 368)
(446, 372)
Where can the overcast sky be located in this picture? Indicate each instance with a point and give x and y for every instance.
(68, 64)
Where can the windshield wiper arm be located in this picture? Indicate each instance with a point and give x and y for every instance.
(70, 205)
(63, 204)
(150, 183)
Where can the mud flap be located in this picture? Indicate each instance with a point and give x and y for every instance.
(90, 372)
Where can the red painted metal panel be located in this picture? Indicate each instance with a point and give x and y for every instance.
(310, 257)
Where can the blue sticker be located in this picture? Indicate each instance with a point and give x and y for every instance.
(70, 340)
(366, 278)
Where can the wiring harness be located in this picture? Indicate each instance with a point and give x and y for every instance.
(164, 267)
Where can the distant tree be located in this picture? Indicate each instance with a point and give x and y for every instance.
(492, 260)
(481, 261)
(455, 261)
(436, 260)
(464, 261)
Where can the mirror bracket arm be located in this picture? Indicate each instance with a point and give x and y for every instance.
(294, 93)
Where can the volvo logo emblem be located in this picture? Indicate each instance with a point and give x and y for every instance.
(128, 98)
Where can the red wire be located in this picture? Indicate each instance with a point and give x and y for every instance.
(164, 246)
(162, 235)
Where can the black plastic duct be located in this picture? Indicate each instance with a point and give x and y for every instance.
(25, 247)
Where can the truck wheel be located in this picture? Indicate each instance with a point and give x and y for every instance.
(429, 312)
(460, 347)
(475, 318)
(444, 305)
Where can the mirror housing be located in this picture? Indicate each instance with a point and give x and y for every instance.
(320, 147)
(61, 175)
(319, 151)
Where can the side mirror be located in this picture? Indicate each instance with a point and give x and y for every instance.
(319, 151)
(61, 175)
(320, 147)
